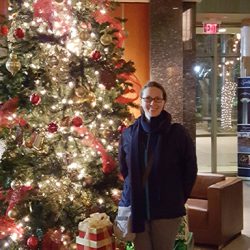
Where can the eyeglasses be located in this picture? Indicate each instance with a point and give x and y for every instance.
(149, 99)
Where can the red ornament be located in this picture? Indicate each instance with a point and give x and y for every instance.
(52, 127)
(77, 121)
(96, 55)
(35, 99)
(32, 242)
(19, 33)
(120, 63)
(4, 30)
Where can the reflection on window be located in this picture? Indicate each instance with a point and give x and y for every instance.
(228, 70)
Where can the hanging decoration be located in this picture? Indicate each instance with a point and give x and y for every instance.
(13, 65)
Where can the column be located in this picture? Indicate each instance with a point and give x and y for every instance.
(189, 60)
(166, 52)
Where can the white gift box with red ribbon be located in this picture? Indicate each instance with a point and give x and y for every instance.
(96, 233)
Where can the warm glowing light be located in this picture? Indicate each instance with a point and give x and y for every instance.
(100, 201)
(73, 165)
(14, 236)
(26, 219)
(103, 11)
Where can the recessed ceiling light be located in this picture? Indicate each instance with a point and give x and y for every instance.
(222, 30)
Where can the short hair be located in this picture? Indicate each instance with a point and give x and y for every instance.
(150, 84)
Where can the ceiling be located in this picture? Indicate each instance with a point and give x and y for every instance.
(225, 19)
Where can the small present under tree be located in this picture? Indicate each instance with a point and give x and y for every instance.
(64, 102)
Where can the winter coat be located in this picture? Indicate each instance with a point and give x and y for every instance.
(172, 174)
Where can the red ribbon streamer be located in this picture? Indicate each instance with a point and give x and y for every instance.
(8, 227)
(13, 196)
(135, 89)
(108, 164)
(6, 110)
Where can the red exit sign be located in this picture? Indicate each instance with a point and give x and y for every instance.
(210, 28)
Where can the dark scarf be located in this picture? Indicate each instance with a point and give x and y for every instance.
(154, 130)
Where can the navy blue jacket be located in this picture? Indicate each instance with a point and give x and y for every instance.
(172, 175)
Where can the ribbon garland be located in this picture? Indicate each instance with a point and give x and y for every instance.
(135, 89)
(108, 164)
(6, 111)
(13, 196)
(8, 227)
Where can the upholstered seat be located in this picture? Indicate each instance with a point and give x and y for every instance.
(215, 209)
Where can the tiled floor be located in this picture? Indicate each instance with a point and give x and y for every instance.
(242, 242)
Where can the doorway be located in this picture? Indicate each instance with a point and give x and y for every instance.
(217, 69)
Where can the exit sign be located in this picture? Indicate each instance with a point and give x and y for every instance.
(210, 28)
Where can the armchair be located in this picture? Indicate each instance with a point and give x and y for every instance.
(215, 209)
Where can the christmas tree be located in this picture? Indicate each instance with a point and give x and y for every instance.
(64, 89)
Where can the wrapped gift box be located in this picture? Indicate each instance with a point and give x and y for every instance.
(96, 232)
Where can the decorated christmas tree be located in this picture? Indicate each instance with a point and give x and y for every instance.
(64, 101)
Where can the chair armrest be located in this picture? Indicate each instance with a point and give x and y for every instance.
(225, 205)
(227, 182)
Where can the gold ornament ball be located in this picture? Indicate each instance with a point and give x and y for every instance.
(80, 91)
(59, 1)
(106, 39)
(13, 65)
(84, 35)
(12, 213)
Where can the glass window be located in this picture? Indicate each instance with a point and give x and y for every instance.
(222, 68)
